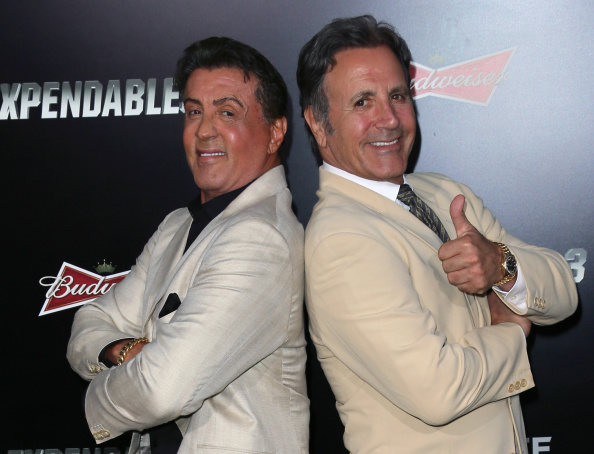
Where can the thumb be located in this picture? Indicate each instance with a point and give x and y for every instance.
(461, 223)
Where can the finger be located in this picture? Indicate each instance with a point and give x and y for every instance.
(454, 263)
(454, 249)
(458, 276)
(461, 223)
(468, 281)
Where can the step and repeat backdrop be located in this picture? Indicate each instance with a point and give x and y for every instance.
(90, 129)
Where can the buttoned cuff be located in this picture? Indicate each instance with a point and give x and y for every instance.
(516, 297)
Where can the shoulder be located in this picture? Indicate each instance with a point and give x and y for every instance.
(345, 217)
(266, 203)
(435, 181)
(177, 216)
(441, 187)
(174, 220)
(171, 224)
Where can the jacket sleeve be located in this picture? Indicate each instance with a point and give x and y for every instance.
(235, 313)
(111, 317)
(552, 293)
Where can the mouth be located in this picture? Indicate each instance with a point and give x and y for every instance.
(210, 154)
(384, 144)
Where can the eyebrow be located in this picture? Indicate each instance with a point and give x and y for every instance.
(217, 102)
(361, 94)
(399, 89)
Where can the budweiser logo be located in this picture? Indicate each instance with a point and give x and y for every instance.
(74, 286)
(473, 81)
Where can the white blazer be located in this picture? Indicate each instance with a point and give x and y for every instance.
(229, 364)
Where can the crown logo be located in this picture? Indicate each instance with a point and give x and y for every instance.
(105, 268)
(436, 59)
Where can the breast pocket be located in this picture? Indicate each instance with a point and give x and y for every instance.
(171, 304)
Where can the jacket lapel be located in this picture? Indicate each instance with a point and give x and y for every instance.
(386, 208)
(171, 256)
(173, 260)
(439, 201)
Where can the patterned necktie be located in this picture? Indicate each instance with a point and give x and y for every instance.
(422, 211)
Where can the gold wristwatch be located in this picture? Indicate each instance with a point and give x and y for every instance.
(508, 266)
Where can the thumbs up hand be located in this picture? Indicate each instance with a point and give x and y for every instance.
(471, 262)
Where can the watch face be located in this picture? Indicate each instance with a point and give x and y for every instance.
(510, 265)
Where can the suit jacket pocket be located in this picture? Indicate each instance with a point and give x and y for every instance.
(171, 304)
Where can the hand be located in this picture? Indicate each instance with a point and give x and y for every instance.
(472, 263)
(113, 351)
(500, 313)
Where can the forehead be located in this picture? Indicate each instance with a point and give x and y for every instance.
(361, 66)
(204, 84)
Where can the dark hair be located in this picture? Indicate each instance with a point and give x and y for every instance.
(222, 52)
(317, 57)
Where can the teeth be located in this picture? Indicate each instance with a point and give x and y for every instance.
(383, 144)
(212, 154)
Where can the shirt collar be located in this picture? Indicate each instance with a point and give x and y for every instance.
(215, 206)
(385, 188)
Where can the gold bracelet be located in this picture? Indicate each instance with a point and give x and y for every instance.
(128, 347)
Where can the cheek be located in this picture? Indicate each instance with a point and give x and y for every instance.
(409, 120)
(232, 137)
(357, 126)
(189, 148)
(188, 137)
(243, 138)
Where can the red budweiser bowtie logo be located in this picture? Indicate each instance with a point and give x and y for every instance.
(74, 286)
(473, 81)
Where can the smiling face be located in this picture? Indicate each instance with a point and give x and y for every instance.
(372, 121)
(227, 141)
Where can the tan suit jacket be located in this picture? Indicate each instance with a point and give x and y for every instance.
(412, 361)
(229, 364)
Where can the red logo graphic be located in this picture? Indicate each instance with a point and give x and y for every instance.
(473, 81)
(74, 286)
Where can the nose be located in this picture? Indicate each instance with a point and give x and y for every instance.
(387, 115)
(206, 128)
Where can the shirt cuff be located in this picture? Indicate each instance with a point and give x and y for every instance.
(516, 297)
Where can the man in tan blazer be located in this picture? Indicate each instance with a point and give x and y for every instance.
(204, 336)
(419, 315)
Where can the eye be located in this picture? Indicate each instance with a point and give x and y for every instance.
(399, 97)
(227, 113)
(361, 102)
(193, 112)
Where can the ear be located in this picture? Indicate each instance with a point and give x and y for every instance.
(318, 129)
(278, 129)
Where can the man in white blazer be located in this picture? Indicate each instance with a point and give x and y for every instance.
(203, 339)
(419, 315)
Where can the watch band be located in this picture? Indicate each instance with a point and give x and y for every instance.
(509, 261)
